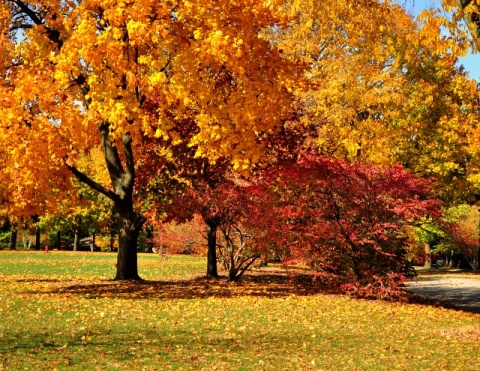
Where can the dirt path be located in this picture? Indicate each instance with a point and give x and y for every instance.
(457, 291)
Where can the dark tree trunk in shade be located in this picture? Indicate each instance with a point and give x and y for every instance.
(37, 239)
(13, 240)
(212, 226)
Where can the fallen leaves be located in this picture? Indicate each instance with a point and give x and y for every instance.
(268, 321)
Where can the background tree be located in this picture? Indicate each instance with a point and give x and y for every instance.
(384, 88)
(460, 239)
(182, 238)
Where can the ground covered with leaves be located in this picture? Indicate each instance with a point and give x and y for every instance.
(62, 311)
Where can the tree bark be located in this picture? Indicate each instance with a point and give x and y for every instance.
(13, 240)
(129, 226)
(129, 223)
(212, 226)
(76, 240)
(428, 256)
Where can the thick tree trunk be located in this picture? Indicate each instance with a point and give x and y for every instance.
(129, 227)
(13, 240)
(212, 226)
(37, 239)
(128, 221)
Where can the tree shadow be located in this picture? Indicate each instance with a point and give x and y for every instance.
(256, 284)
(264, 285)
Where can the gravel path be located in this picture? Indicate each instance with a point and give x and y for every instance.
(458, 292)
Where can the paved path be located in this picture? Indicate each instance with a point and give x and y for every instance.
(458, 292)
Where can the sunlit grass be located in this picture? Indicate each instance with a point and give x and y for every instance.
(84, 322)
(67, 265)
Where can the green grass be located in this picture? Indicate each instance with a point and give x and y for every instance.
(70, 265)
(59, 311)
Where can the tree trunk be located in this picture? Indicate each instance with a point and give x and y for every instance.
(232, 272)
(123, 179)
(428, 256)
(76, 240)
(149, 246)
(13, 240)
(37, 239)
(59, 244)
(129, 227)
(112, 243)
(212, 226)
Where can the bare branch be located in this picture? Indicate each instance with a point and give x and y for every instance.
(29, 12)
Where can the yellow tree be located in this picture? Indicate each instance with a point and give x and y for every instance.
(76, 73)
(469, 11)
(384, 87)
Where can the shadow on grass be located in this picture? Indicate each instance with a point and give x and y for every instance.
(260, 284)
(264, 285)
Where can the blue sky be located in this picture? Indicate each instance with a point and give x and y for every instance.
(472, 64)
(472, 61)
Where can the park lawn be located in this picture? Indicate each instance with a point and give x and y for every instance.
(61, 311)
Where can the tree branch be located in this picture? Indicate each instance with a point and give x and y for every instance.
(127, 149)
(114, 165)
(53, 35)
(29, 12)
(92, 184)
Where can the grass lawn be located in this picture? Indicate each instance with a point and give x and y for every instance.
(60, 311)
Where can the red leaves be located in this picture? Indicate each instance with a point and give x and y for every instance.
(345, 219)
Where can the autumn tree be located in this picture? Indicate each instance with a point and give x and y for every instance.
(346, 220)
(459, 242)
(78, 74)
(385, 88)
(199, 193)
(181, 238)
(233, 204)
